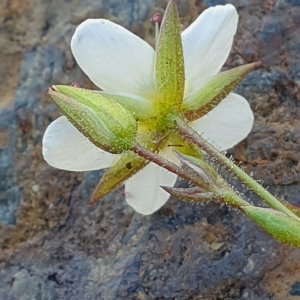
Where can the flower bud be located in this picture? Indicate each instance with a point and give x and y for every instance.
(107, 124)
(277, 224)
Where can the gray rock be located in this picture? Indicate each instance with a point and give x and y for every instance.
(56, 247)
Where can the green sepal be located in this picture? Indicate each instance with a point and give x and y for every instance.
(128, 164)
(277, 224)
(107, 124)
(141, 109)
(169, 62)
(200, 103)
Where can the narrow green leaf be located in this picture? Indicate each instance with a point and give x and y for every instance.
(128, 164)
(169, 61)
(200, 103)
(281, 227)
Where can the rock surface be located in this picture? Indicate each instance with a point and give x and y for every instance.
(53, 246)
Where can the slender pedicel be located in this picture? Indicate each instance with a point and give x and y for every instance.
(189, 134)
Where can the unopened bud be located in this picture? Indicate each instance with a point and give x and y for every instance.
(281, 227)
(102, 120)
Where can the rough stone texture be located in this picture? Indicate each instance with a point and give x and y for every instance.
(56, 247)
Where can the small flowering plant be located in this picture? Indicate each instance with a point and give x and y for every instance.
(157, 113)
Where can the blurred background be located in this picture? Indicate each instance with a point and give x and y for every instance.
(53, 246)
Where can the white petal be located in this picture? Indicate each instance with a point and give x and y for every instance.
(64, 147)
(168, 153)
(115, 59)
(227, 124)
(207, 43)
(143, 191)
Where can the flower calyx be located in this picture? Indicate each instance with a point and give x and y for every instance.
(107, 124)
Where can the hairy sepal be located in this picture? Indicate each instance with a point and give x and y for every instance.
(169, 62)
(128, 164)
(200, 103)
(103, 121)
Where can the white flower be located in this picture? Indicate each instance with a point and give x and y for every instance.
(119, 62)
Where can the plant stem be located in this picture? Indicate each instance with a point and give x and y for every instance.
(185, 174)
(189, 134)
(229, 197)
